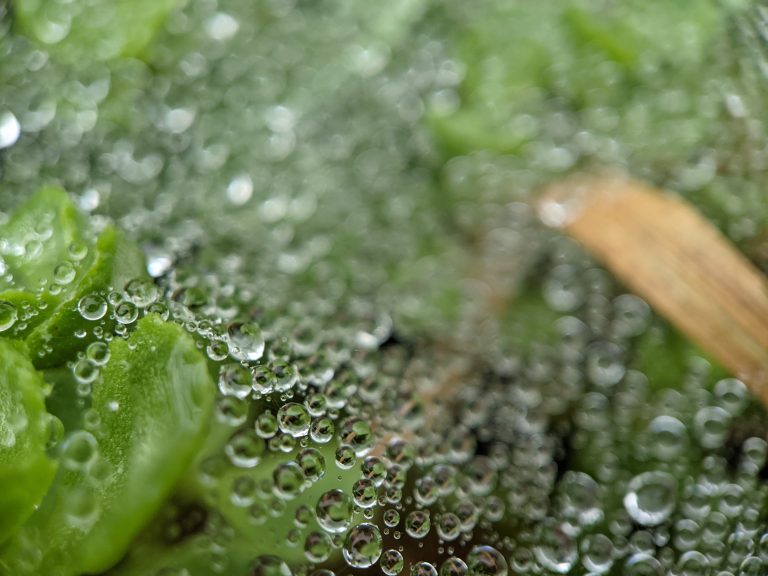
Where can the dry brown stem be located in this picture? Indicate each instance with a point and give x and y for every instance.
(663, 249)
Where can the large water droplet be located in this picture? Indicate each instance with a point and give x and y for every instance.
(8, 315)
(650, 497)
(362, 546)
(10, 130)
(486, 561)
(334, 511)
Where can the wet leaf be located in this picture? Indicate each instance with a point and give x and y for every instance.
(26, 471)
(153, 402)
(82, 31)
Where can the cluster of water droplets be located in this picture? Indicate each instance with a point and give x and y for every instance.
(412, 375)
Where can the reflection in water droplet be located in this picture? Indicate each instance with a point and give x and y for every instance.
(334, 511)
(362, 546)
(317, 546)
(293, 419)
(270, 566)
(244, 449)
(391, 562)
(454, 566)
(92, 307)
(417, 523)
(486, 561)
(246, 341)
(423, 569)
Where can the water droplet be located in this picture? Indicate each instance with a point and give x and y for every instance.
(555, 550)
(85, 371)
(270, 566)
(391, 517)
(10, 130)
(8, 315)
(580, 498)
(417, 523)
(605, 363)
(126, 312)
(448, 526)
(266, 424)
(92, 307)
(362, 546)
(643, 564)
(650, 497)
(312, 464)
(732, 395)
(64, 273)
(293, 419)
(235, 380)
(322, 430)
(142, 292)
(98, 353)
(244, 449)
(668, 437)
(345, 457)
(391, 562)
(711, 425)
(597, 553)
(240, 190)
(246, 341)
(79, 450)
(423, 569)
(288, 480)
(334, 511)
(357, 433)
(317, 547)
(486, 561)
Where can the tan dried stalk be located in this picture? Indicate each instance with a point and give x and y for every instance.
(664, 250)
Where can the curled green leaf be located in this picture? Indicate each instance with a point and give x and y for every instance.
(150, 410)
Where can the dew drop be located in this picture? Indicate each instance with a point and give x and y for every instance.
(362, 546)
(417, 524)
(317, 546)
(79, 450)
(293, 419)
(288, 480)
(334, 511)
(244, 449)
(8, 315)
(10, 129)
(268, 565)
(246, 341)
(486, 561)
(235, 380)
(92, 307)
(391, 562)
(650, 497)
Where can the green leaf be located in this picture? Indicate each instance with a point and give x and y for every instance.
(37, 239)
(152, 404)
(117, 260)
(82, 31)
(25, 469)
(154, 552)
(21, 312)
